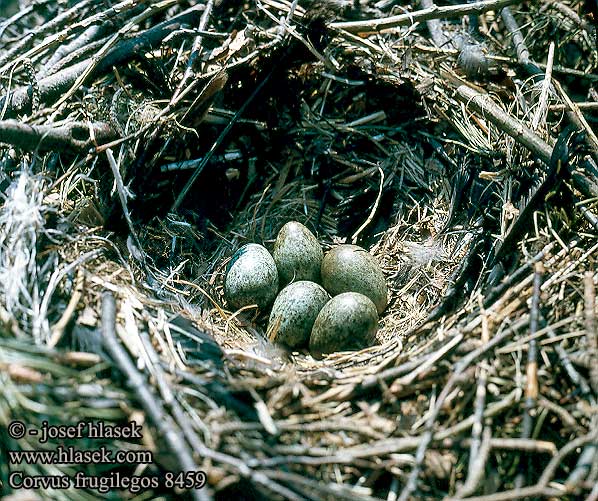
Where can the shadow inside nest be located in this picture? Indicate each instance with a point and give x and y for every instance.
(306, 154)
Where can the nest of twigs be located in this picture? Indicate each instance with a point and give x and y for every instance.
(142, 143)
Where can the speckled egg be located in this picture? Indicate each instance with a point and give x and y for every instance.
(350, 268)
(251, 277)
(348, 321)
(294, 312)
(297, 254)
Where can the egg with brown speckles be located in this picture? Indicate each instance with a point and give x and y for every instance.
(251, 277)
(294, 312)
(350, 268)
(348, 321)
(297, 254)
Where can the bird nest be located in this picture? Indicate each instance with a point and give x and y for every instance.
(142, 144)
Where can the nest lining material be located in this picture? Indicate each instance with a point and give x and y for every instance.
(480, 388)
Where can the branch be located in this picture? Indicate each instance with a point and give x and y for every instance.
(52, 87)
(76, 136)
(376, 25)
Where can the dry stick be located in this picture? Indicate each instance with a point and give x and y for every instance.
(374, 208)
(21, 14)
(531, 386)
(375, 25)
(576, 116)
(123, 195)
(541, 489)
(89, 36)
(556, 68)
(152, 405)
(584, 465)
(196, 49)
(567, 12)
(74, 136)
(476, 466)
(543, 101)
(589, 216)
(435, 28)
(170, 401)
(484, 105)
(57, 276)
(520, 272)
(426, 438)
(55, 85)
(583, 106)
(431, 361)
(153, 9)
(322, 455)
(590, 321)
(333, 491)
(210, 74)
(515, 31)
(51, 26)
(58, 328)
(575, 377)
(76, 55)
(507, 444)
(57, 38)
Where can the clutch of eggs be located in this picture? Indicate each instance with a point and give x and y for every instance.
(304, 313)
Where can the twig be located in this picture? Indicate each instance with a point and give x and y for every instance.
(377, 25)
(495, 293)
(74, 136)
(374, 208)
(515, 31)
(541, 489)
(477, 467)
(584, 464)
(123, 195)
(89, 36)
(58, 328)
(55, 85)
(435, 27)
(531, 382)
(22, 13)
(543, 101)
(458, 370)
(195, 49)
(485, 106)
(51, 26)
(55, 279)
(152, 405)
(590, 324)
(476, 455)
(579, 120)
(583, 106)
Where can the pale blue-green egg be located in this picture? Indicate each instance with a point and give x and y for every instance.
(297, 254)
(251, 277)
(350, 268)
(348, 321)
(294, 312)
